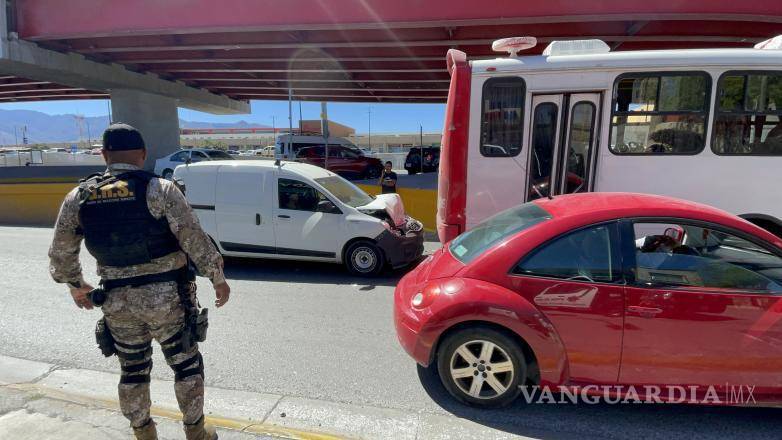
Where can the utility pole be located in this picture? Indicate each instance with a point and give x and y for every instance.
(16, 139)
(421, 128)
(290, 118)
(369, 141)
(300, 117)
(324, 128)
(274, 130)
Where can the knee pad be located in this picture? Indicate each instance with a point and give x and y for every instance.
(186, 368)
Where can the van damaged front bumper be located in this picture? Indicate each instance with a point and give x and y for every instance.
(402, 246)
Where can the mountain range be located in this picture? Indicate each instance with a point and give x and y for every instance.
(43, 128)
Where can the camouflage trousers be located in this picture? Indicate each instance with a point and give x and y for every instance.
(136, 315)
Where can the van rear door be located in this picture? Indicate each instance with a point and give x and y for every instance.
(244, 209)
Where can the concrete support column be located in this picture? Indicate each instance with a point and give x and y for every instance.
(154, 116)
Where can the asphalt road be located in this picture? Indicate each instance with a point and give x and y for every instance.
(311, 330)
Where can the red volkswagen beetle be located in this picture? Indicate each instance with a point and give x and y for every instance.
(599, 289)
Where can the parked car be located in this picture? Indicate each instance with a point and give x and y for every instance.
(431, 160)
(602, 289)
(165, 166)
(268, 151)
(345, 161)
(296, 211)
(233, 152)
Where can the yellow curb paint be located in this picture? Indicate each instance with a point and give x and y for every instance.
(37, 204)
(250, 426)
(33, 204)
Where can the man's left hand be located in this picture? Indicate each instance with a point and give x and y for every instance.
(79, 295)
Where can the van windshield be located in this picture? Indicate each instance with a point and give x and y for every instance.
(485, 235)
(345, 191)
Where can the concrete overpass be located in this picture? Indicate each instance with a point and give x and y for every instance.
(150, 56)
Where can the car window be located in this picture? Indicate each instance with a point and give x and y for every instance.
(348, 153)
(197, 156)
(345, 191)
(180, 157)
(694, 256)
(298, 196)
(479, 239)
(218, 155)
(585, 255)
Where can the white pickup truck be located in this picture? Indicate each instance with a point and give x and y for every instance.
(290, 210)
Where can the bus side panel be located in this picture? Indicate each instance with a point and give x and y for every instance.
(452, 181)
(737, 184)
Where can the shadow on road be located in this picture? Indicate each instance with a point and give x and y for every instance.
(252, 269)
(582, 421)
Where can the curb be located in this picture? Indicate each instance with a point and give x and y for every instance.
(255, 413)
(32, 376)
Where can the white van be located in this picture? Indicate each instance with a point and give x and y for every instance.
(296, 211)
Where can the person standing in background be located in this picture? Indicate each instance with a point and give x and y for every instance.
(388, 179)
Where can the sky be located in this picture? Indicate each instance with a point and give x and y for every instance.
(386, 118)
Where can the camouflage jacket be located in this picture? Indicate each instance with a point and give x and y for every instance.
(163, 199)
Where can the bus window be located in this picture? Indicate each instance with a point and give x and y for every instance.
(749, 114)
(660, 113)
(544, 141)
(579, 151)
(502, 116)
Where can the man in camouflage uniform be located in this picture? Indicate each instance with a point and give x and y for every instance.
(141, 231)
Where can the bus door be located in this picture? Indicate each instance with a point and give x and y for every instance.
(563, 143)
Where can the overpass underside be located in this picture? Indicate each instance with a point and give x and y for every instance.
(151, 57)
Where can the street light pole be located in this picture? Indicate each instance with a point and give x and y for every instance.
(324, 128)
(421, 128)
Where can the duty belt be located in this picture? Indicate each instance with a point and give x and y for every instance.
(171, 275)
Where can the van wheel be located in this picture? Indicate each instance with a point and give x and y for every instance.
(364, 258)
(481, 367)
(168, 174)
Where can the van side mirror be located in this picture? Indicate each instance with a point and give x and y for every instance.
(328, 207)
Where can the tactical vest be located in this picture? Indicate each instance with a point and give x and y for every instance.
(118, 228)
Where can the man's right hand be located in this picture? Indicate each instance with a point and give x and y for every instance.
(79, 295)
(222, 293)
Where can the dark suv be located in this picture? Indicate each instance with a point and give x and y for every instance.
(347, 162)
(431, 160)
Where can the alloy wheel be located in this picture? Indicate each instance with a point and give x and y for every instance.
(481, 369)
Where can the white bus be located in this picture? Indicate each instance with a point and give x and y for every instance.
(702, 125)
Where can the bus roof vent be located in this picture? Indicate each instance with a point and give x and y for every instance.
(771, 44)
(513, 45)
(576, 47)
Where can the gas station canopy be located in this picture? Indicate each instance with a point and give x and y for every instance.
(351, 50)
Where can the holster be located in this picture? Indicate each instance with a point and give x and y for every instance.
(196, 321)
(104, 338)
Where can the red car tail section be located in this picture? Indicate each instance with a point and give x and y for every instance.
(452, 187)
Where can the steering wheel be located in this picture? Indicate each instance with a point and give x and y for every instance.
(581, 278)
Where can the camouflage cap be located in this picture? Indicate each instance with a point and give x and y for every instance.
(121, 137)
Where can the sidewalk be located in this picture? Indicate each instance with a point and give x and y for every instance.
(43, 401)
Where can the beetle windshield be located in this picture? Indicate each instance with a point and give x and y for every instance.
(485, 235)
(345, 191)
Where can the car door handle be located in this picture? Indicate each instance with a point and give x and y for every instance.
(645, 312)
(257, 219)
(283, 216)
